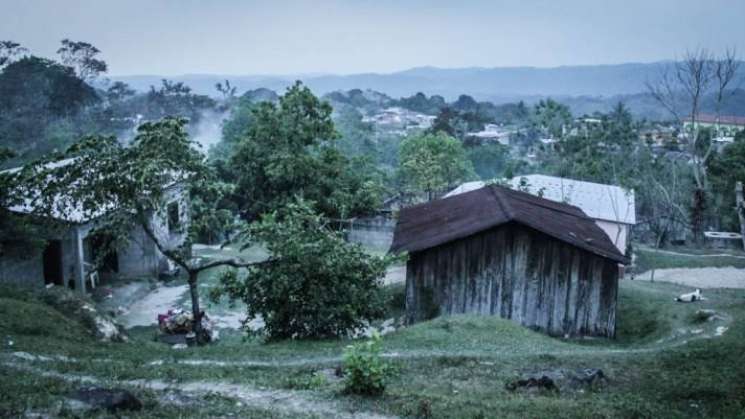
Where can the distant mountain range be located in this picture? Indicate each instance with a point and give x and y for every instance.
(481, 83)
(587, 87)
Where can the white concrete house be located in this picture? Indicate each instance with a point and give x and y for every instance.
(612, 207)
(69, 256)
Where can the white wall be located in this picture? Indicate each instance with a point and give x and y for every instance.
(617, 232)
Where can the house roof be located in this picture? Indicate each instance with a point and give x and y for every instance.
(597, 200)
(723, 119)
(438, 222)
(63, 206)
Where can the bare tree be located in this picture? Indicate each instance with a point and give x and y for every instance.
(681, 89)
(228, 91)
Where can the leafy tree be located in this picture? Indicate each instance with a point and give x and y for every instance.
(8, 51)
(445, 121)
(289, 150)
(316, 285)
(422, 104)
(130, 183)
(357, 138)
(551, 117)
(82, 57)
(725, 170)
(18, 236)
(212, 212)
(603, 153)
(37, 96)
(174, 99)
(431, 163)
(488, 160)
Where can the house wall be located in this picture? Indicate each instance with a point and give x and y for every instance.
(28, 270)
(617, 232)
(139, 258)
(516, 273)
(24, 270)
(373, 232)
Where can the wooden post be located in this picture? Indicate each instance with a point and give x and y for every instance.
(740, 210)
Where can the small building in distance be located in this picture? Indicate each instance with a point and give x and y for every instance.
(496, 251)
(72, 255)
(613, 208)
(723, 125)
(492, 133)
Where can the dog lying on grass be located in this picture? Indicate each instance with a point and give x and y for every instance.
(690, 297)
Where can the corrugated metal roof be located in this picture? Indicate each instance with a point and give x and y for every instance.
(438, 222)
(597, 200)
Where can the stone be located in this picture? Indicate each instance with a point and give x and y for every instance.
(180, 346)
(542, 383)
(560, 380)
(589, 377)
(109, 399)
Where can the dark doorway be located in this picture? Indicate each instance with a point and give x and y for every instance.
(53, 263)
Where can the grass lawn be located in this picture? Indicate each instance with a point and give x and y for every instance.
(449, 367)
(648, 258)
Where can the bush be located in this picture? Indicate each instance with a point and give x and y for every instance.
(315, 285)
(364, 370)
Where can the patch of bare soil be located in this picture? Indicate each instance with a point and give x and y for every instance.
(144, 312)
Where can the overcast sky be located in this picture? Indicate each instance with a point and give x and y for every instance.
(173, 37)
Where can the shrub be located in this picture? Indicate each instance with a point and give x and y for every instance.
(315, 285)
(365, 371)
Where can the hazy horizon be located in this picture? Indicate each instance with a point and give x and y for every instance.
(338, 37)
(424, 66)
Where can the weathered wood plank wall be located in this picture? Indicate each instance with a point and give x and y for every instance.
(517, 273)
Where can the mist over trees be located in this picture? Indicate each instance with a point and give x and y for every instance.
(270, 149)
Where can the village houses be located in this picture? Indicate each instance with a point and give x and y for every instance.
(70, 257)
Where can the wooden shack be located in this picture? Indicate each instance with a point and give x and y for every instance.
(496, 251)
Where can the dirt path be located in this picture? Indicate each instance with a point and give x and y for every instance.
(727, 277)
(144, 312)
(285, 401)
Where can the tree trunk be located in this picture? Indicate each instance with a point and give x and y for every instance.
(698, 208)
(740, 210)
(195, 310)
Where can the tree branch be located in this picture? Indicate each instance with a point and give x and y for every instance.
(235, 263)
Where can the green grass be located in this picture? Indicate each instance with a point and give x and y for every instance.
(648, 259)
(448, 367)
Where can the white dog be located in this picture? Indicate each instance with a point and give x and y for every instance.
(690, 297)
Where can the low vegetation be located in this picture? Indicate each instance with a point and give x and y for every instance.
(314, 285)
(365, 371)
(447, 367)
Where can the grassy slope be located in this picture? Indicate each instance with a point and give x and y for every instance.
(453, 367)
